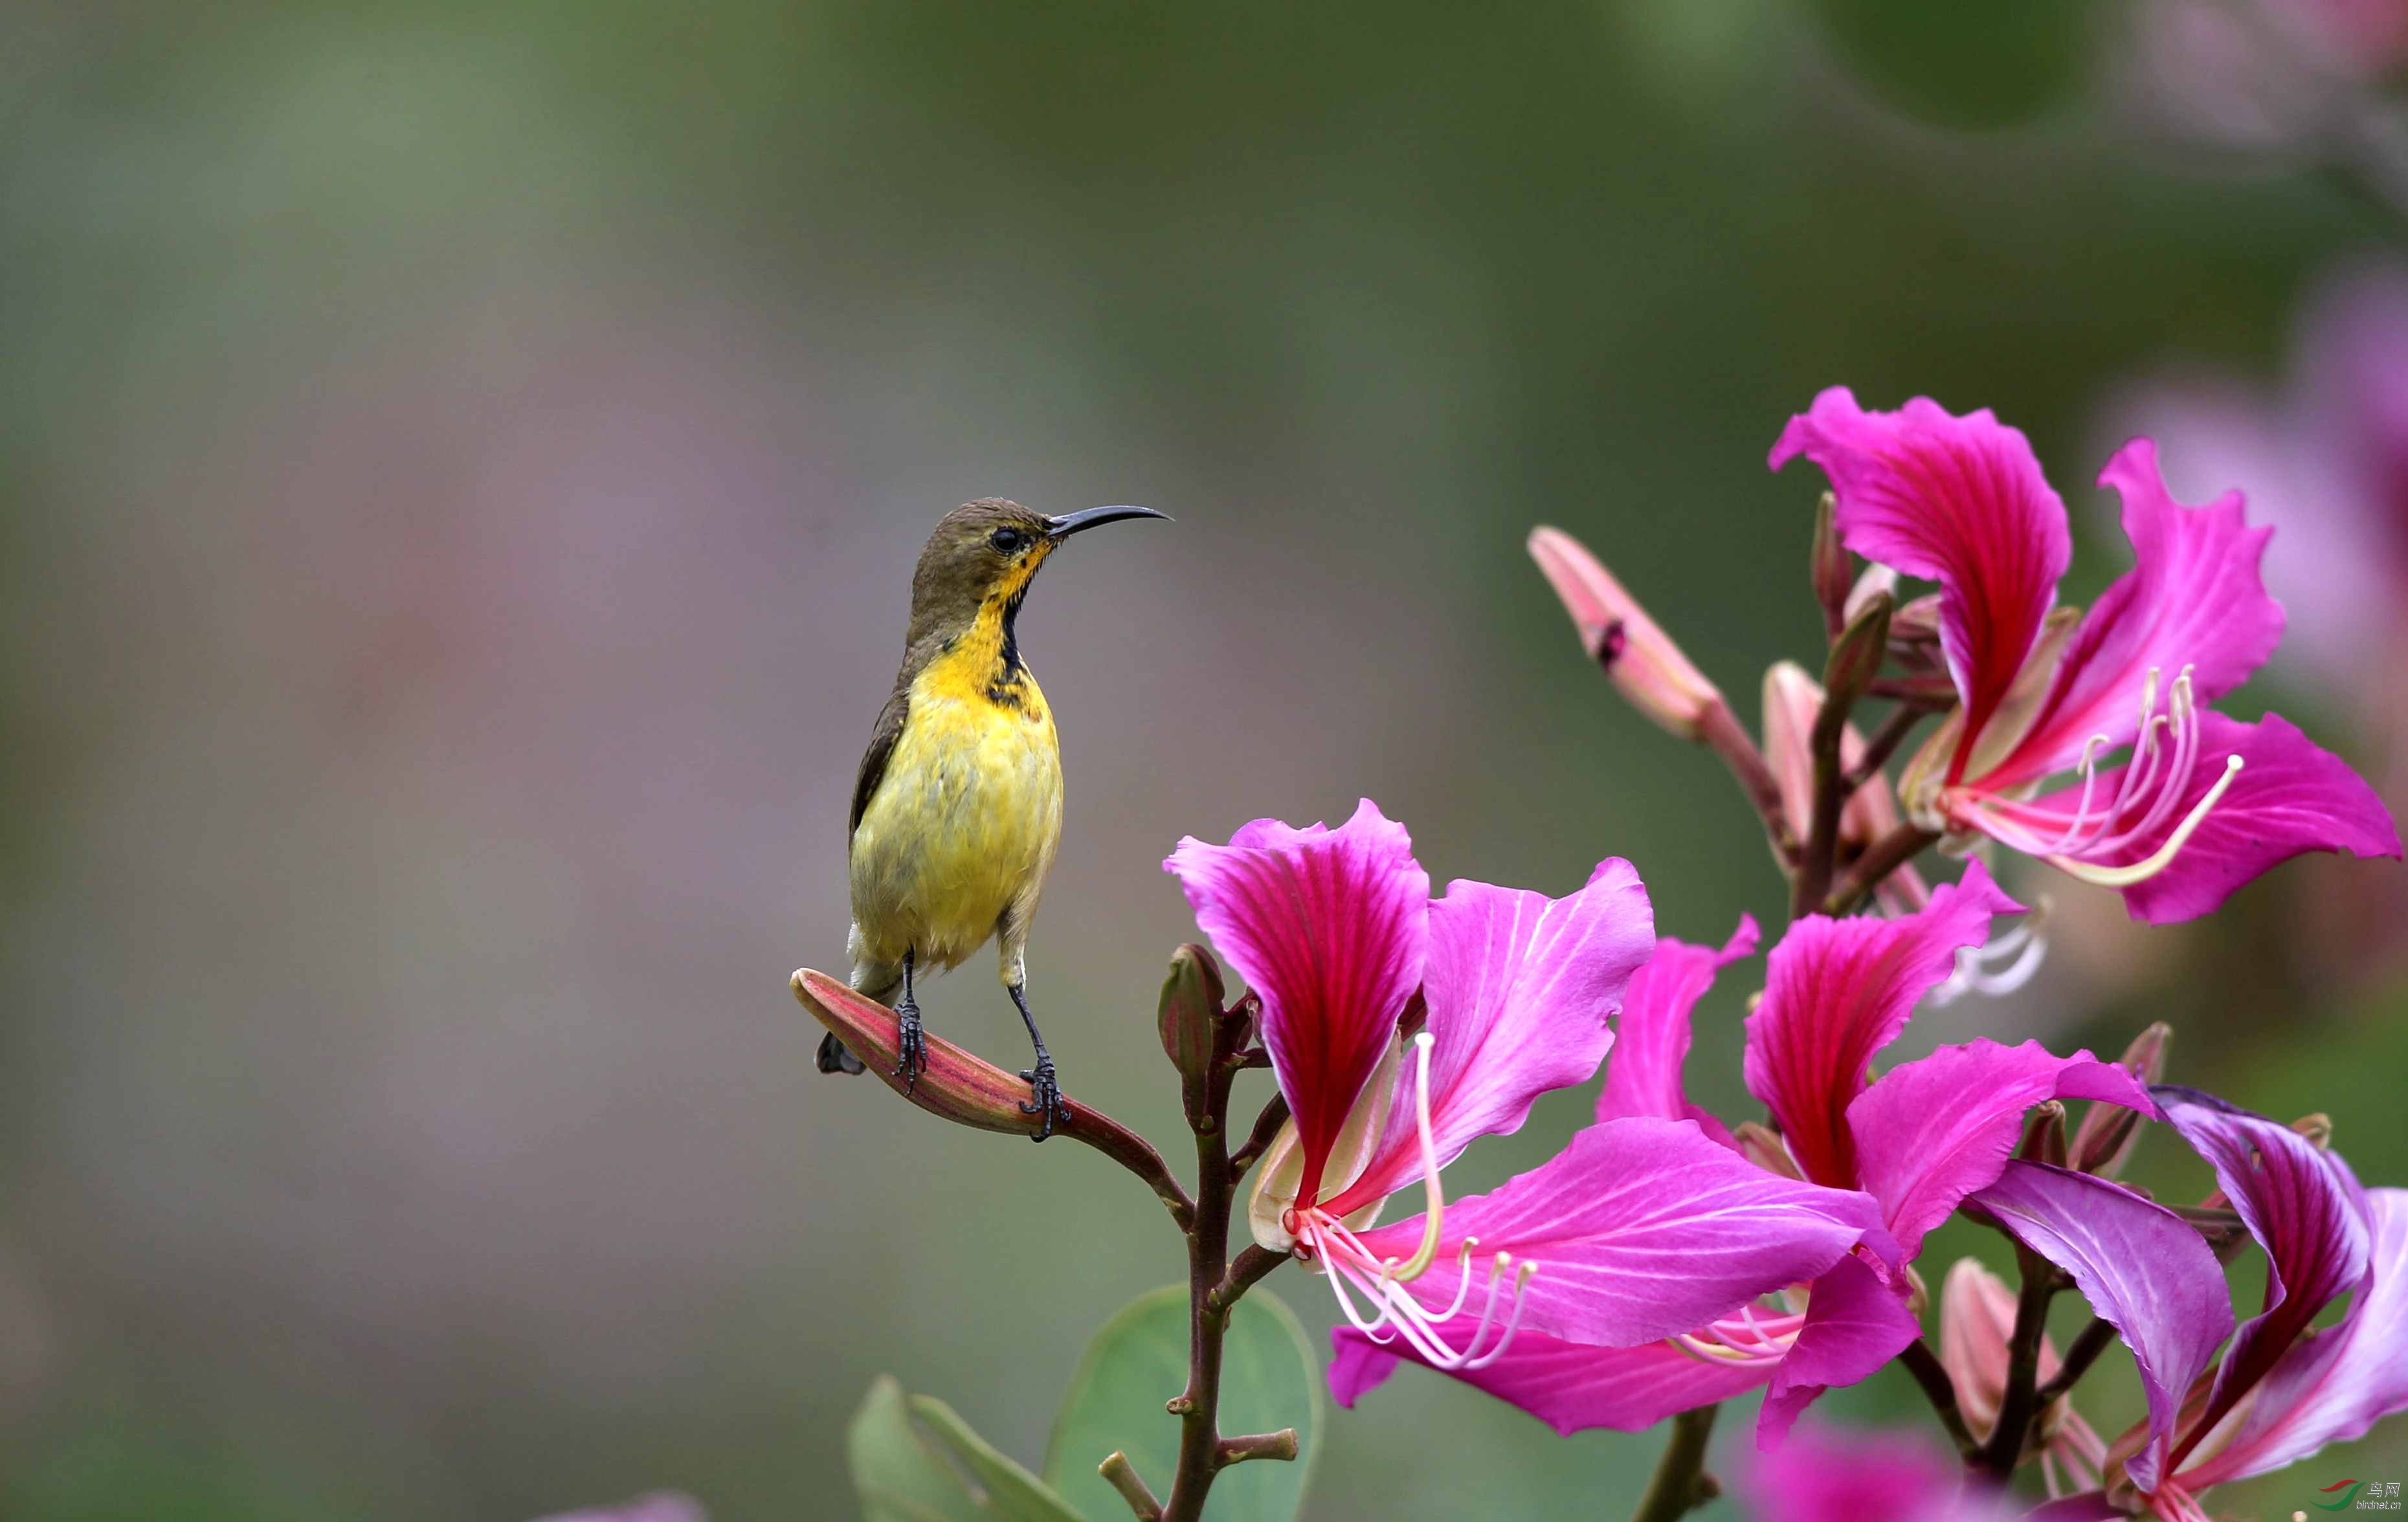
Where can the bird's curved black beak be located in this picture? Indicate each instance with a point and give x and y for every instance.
(1062, 525)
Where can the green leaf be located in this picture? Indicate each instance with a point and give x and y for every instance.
(1269, 1379)
(899, 1474)
(1012, 1494)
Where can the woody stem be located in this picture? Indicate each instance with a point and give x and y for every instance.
(1681, 1484)
(1214, 1285)
(1941, 1391)
(1719, 730)
(2005, 1449)
(1883, 857)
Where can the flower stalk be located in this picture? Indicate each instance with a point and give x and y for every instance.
(1214, 1285)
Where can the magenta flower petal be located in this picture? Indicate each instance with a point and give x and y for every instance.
(2289, 796)
(1330, 927)
(1572, 1387)
(1854, 1325)
(1839, 990)
(1959, 500)
(2306, 1210)
(1520, 986)
(1880, 1477)
(1652, 1034)
(1642, 1230)
(1929, 1132)
(2194, 600)
(2336, 1383)
(2144, 1269)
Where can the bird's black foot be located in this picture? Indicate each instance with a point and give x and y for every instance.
(1047, 1100)
(910, 1052)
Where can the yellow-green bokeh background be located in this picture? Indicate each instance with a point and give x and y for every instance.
(465, 462)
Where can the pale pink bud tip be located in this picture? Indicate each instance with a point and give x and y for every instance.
(1647, 668)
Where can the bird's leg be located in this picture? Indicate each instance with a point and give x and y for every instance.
(1047, 1099)
(911, 1053)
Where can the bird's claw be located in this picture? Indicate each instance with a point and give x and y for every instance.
(911, 1052)
(1045, 1100)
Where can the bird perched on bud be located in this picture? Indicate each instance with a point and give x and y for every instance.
(957, 808)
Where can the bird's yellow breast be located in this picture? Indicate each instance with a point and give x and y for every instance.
(963, 826)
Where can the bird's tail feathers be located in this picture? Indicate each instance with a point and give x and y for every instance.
(834, 1058)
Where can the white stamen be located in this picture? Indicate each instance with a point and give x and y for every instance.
(1413, 1268)
(2000, 967)
(2158, 861)
(2163, 756)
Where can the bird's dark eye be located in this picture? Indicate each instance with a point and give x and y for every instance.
(1004, 540)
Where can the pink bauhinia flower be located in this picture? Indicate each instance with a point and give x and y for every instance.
(1335, 932)
(2201, 803)
(1916, 1141)
(2282, 1391)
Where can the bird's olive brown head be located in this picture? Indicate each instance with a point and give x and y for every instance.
(985, 553)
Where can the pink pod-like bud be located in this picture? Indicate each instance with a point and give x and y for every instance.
(1832, 568)
(1646, 667)
(1878, 580)
(2044, 1134)
(1792, 702)
(1977, 1319)
(2104, 1140)
(954, 1085)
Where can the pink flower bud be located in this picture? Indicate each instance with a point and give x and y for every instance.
(1647, 668)
(1831, 567)
(1977, 1317)
(2107, 1132)
(954, 1085)
(1791, 700)
(1189, 1016)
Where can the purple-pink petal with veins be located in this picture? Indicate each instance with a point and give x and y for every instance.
(1572, 1387)
(2194, 600)
(1520, 986)
(2335, 1383)
(2144, 1269)
(1854, 1325)
(2290, 797)
(2306, 1210)
(1839, 990)
(1932, 1131)
(1642, 1230)
(1652, 1033)
(1330, 927)
(1959, 500)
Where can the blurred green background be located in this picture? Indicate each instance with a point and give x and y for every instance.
(464, 467)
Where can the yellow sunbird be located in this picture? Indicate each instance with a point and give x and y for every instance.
(957, 808)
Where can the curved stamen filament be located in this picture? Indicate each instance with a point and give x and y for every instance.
(1413, 1268)
(2159, 860)
(1744, 1336)
(2002, 966)
(2164, 756)
(1395, 1313)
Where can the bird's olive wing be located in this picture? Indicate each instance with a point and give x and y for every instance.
(881, 749)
